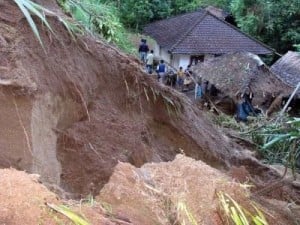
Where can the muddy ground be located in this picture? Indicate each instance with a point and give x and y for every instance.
(72, 111)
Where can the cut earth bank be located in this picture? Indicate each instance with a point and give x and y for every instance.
(72, 112)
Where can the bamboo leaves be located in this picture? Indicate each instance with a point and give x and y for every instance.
(279, 142)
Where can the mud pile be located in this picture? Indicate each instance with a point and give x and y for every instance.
(173, 192)
(183, 191)
(23, 200)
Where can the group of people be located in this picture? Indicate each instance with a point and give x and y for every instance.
(183, 79)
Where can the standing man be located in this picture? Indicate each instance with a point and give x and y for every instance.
(180, 77)
(161, 71)
(143, 50)
(149, 64)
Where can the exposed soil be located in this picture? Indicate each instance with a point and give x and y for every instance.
(156, 193)
(153, 193)
(73, 111)
(23, 200)
(83, 106)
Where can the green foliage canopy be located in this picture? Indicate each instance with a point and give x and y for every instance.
(276, 22)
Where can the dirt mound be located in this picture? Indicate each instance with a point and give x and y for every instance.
(154, 193)
(23, 200)
(17, 203)
(232, 73)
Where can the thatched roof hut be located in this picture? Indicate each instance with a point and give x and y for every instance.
(287, 68)
(232, 73)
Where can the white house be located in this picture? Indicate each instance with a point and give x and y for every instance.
(196, 36)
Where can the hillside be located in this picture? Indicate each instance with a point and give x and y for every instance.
(73, 112)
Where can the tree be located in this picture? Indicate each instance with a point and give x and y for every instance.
(100, 18)
(276, 22)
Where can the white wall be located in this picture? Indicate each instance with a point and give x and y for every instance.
(177, 60)
(156, 50)
(184, 61)
(180, 60)
(165, 55)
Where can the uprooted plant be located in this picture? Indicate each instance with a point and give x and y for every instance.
(235, 214)
(279, 141)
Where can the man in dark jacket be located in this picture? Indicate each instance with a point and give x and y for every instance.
(143, 50)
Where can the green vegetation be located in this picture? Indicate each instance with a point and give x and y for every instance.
(100, 18)
(27, 7)
(276, 141)
(134, 14)
(236, 214)
(274, 22)
(76, 219)
(30, 8)
(279, 142)
(184, 215)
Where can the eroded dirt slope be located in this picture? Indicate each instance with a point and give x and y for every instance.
(72, 111)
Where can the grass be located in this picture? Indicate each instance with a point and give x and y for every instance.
(100, 19)
(64, 210)
(184, 215)
(277, 141)
(236, 214)
(226, 121)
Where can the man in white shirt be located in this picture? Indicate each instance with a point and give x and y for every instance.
(149, 62)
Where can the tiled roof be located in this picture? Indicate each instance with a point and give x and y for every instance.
(201, 32)
(167, 32)
(287, 68)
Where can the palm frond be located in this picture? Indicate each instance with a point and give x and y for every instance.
(30, 8)
(76, 219)
(27, 7)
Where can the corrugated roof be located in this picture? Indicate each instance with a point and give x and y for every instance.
(287, 68)
(201, 32)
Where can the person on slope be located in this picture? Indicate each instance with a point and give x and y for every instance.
(143, 50)
(161, 71)
(149, 62)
